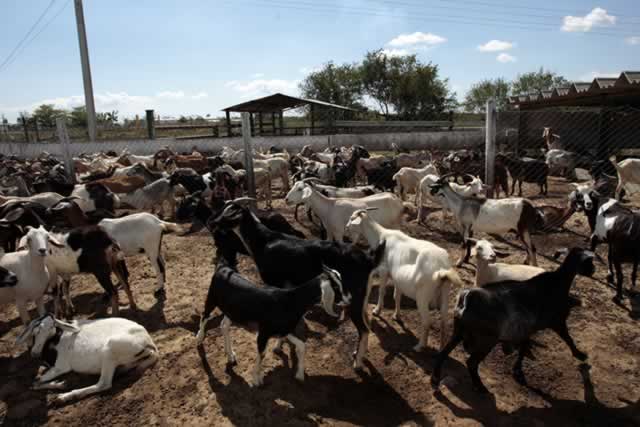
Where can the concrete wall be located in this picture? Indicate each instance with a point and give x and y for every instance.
(418, 140)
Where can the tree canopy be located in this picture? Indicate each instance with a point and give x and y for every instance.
(476, 99)
(536, 81)
(398, 86)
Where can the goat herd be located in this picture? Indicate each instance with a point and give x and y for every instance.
(52, 228)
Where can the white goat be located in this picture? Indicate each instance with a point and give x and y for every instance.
(490, 271)
(92, 347)
(628, 175)
(29, 267)
(408, 179)
(152, 197)
(335, 213)
(418, 269)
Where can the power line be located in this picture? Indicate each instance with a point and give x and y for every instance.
(44, 27)
(321, 9)
(33, 27)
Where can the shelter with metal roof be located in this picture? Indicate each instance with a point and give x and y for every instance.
(601, 92)
(275, 105)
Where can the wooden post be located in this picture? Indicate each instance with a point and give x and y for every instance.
(313, 119)
(63, 136)
(490, 145)
(26, 129)
(216, 133)
(281, 121)
(251, 124)
(260, 122)
(522, 132)
(35, 125)
(151, 129)
(86, 71)
(248, 155)
(228, 115)
(273, 123)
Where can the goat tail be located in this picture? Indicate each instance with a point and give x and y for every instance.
(450, 275)
(170, 227)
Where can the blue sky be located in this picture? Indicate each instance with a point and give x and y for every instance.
(196, 57)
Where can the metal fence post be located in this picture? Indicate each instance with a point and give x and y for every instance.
(151, 129)
(248, 155)
(63, 136)
(490, 145)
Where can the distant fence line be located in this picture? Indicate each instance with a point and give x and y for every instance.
(375, 142)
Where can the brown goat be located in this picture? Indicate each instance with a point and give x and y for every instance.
(123, 184)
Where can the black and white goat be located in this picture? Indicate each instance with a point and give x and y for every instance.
(274, 312)
(283, 259)
(510, 312)
(93, 347)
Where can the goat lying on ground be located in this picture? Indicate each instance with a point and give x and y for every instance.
(490, 271)
(510, 312)
(93, 347)
(418, 269)
(273, 312)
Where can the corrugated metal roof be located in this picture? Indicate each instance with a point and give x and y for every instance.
(277, 102)
(627, 86)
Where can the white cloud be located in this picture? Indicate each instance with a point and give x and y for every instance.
(634, 41)
(417, 38)
(505, 57)
(200, 95)
(257, 75)
(171, 95)
(593, 74)
(598, 17)
(396, 52)
(263, 87)
(309, 70)
(495, 46)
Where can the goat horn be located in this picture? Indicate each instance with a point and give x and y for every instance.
(371, 209)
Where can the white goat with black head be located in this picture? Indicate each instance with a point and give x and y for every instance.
(491, 216)
(92, 347)
(418, 269)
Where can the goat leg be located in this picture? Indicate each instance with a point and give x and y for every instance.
(442, 356)
(473, 362)
(563, 333)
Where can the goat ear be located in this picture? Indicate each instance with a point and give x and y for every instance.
(14, 215)
(501, 254)
(25, 334)
(55, 242)
(306, 192)
(67, 327)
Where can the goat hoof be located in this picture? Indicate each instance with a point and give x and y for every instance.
(618, 299)
(159, 293)
(376, 311)
(300, 378)
(518, 375)
(435, 382)
(581, 356)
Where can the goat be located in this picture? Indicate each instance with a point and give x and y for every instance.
(535, 171)
(304, 260)
(88, 250)
(24, 273)
(509, 312)
(123, 184)
(272, 311)
(95, 196)
(382, 177)
(561, 163)
(93, 347)
(552, 141)
(628, 175)
(338, 193)
(334, 213)
(489, 271)
(408, 179)
(620, 228)
(418, 269)
(152, 197)
(473, 189)
(491, 216)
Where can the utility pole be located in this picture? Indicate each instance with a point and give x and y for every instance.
(86, 71)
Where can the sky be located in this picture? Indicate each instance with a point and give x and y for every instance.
(196, 57)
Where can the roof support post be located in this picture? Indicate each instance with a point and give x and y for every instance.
(228, 123)
(313, 119)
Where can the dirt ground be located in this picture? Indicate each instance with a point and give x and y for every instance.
(190, 387)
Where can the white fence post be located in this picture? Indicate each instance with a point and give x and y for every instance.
(490, 145)
(63, 136)
(248, 155)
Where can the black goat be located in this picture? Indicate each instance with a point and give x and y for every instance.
(534, 171)
(272, 311)
(620, 228)
(228, 245)
(510, 312)
(382, 177)
(283, 259)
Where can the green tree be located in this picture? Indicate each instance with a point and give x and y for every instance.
(337, 84)
(405, 86)
(537, 81)
(476, 99)
(46, 115)
(78, 116)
